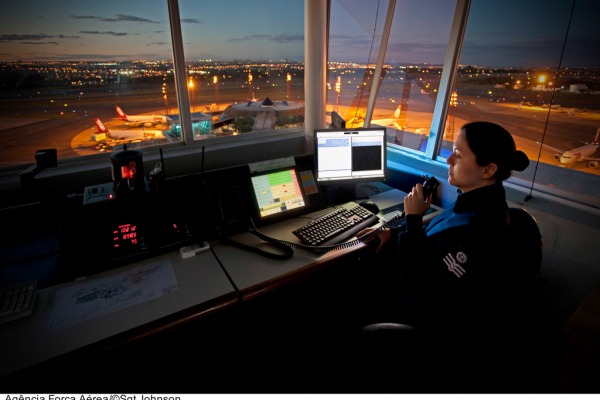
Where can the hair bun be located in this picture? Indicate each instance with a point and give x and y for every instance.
(520, 161)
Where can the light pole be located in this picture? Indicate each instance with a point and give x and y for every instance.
(250, 86)
(165, 97)
(338, 88)
(288, 80)
(453, 103)
(216, 83)
(191, 90)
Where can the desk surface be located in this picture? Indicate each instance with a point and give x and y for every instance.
(254, 274)
(201, 287)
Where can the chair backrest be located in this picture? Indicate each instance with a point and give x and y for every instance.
(527, 244)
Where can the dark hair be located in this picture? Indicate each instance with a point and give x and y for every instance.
(491, 143)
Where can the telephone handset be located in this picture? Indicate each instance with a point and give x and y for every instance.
(429, 186)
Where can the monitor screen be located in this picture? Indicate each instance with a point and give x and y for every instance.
(352, 155)
(278, 194)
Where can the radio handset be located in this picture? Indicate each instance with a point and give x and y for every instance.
(429, 186)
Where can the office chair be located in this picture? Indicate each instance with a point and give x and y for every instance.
(384, 341)
(527, 242)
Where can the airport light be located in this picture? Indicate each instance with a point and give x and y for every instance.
(191, 89)
(338, 89)
(216, 83)
(250, 86)
(165, 97)
(542, 81)
(453, 103)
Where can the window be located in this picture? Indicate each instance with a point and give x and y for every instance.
(531, 68)
(88, 78)
(64, 65)
(410, 76)
(244, 66)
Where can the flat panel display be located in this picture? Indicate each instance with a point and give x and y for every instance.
(352, 155)
(278, 194)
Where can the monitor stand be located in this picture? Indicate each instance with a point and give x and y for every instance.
(339, 193)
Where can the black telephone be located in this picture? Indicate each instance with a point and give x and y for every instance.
(429, 186)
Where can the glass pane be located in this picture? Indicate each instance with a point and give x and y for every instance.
(65, 65)
(244, 65)
(513, 71)
(412, 68)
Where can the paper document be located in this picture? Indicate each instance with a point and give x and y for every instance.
(96, 297)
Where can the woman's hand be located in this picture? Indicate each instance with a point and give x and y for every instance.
(414, 202)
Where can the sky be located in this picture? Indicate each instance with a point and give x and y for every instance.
(504, 33)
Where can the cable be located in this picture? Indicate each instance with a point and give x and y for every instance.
(362, 87)
(562, 53)
(429, 186)
(283, 244)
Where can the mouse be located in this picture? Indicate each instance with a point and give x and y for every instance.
(370, 205)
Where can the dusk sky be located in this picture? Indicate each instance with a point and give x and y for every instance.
(500, 33)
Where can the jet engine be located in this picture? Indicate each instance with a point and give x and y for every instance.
(593, 164)
(557, 156)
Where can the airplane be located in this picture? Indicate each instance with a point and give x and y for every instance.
(145, 120)
(129, 133)
(581, 153)
(357, 122)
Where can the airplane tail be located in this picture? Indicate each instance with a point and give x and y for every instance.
(597, 136)
(100, 126)
(120, 113)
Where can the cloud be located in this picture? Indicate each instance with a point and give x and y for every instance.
(37, 43)
(281, 38)
(33, 38)
(95, 56)
(15, 37)
(119, 18)
(104, 33)
(190, 21)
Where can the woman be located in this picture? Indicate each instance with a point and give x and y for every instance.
(457, 277)
(456, 271)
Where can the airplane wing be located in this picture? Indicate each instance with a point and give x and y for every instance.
(591, 158)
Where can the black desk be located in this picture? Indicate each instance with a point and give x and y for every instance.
(211, 283)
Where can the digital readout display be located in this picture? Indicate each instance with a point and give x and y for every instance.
(126, 236)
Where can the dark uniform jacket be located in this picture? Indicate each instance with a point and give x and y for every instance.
(456, 271)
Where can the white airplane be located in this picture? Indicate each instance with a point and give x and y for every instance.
(123, 134)
(145, 120)
(581, 153)
(357, 122)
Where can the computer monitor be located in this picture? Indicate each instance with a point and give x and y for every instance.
(277, 194)
(350, 155)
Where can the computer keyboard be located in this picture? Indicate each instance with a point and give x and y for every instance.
(17, 301)
(336, 226)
